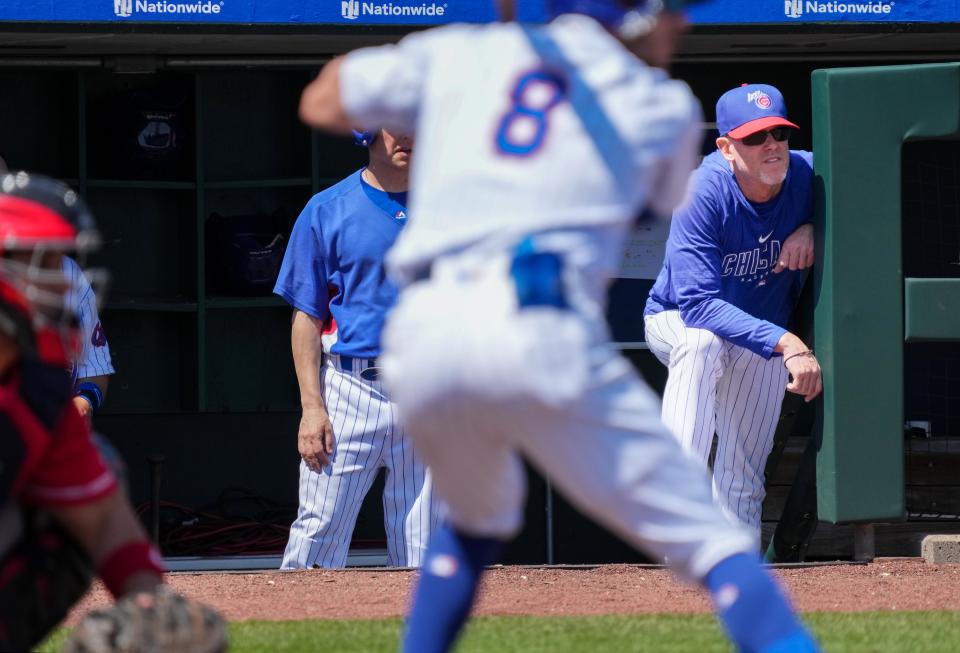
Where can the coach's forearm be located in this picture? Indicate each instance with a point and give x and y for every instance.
(789, 344)
(732, 323)
(307, 355)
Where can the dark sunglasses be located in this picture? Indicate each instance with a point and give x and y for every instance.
(759, 138)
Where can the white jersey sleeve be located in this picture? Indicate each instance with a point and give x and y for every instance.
(670, 189)
(94, 358)
(383, 86)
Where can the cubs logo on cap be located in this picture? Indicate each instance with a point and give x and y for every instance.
(751, 108)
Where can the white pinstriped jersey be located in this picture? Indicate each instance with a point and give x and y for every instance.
(94, 358)
(532, 164)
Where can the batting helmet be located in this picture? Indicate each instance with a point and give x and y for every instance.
(364, 138)
(627, 18)
(41, 219)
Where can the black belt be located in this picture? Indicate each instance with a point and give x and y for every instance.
(369, 367)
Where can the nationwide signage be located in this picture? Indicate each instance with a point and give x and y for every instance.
(826, 11)
(258, 12)
(435, 12)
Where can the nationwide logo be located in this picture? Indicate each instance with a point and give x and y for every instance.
(354, 9)
(127, 8)
(801, 8)
(350, 9)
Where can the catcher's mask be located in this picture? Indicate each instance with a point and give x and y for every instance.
(41, 220)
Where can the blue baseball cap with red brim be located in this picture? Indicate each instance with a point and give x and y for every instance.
(751, 108)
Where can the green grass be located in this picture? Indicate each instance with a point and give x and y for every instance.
(862, 632)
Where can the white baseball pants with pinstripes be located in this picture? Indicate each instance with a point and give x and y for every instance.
(482, 383)
(367, 437)
(715, 386)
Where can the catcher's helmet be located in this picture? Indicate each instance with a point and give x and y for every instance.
(41, 219)
(627, 18)
(364, 138)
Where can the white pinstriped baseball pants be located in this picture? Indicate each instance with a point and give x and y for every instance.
(367, 437)
(482, 384)
(715, 386)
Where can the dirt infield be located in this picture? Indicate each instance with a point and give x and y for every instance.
(887, 584)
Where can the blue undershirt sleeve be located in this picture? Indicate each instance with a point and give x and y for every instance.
(696, 257)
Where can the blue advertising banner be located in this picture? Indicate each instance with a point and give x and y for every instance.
(789, 12)
(284, 12)
(433, 12)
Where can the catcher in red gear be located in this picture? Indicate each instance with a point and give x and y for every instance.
(62, 518)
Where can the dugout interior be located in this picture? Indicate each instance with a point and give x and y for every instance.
(931, 249)
(204, 372)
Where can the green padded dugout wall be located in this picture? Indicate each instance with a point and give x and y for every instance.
(862, 116)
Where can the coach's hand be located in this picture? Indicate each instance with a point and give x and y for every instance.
(315, 438)
(805, 371)
(797, 250)
(805, 378)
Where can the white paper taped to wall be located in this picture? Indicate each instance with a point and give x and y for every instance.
(644, 250)
(645, 247)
